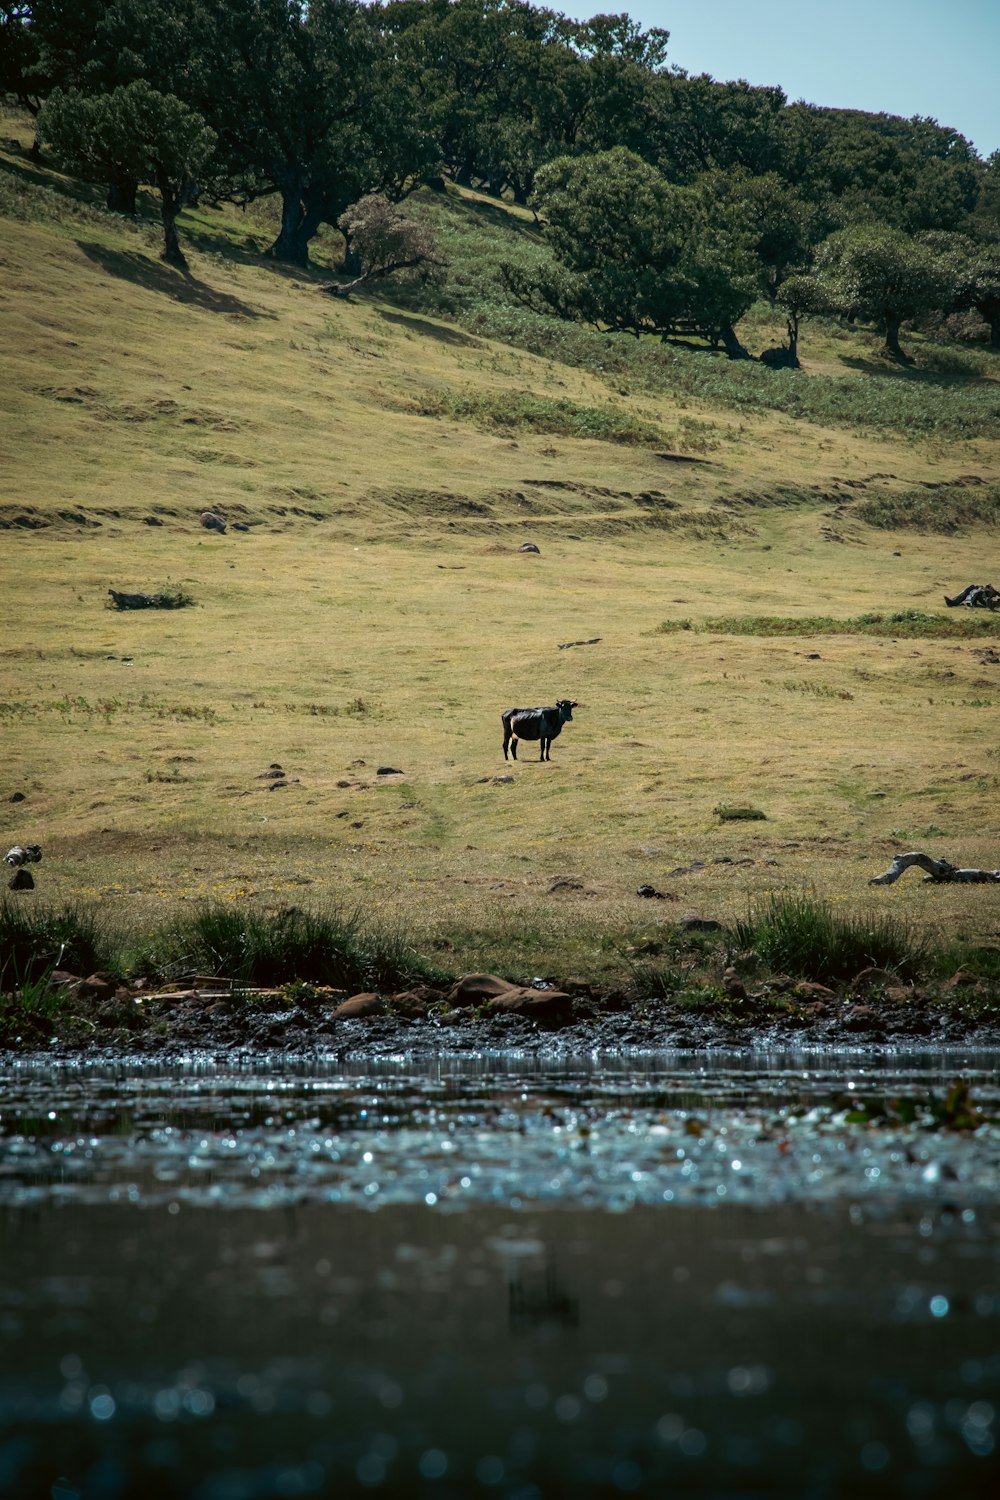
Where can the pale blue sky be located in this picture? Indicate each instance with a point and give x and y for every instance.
(905, 57)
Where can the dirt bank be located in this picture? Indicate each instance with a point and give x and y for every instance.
(482, 1012)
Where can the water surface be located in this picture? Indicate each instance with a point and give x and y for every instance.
(491, 1275)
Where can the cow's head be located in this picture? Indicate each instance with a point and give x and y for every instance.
(566, 707)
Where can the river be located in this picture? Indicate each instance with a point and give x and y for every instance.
(716, 1275)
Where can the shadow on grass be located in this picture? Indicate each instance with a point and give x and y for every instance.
(918, 374)
(40, 175)
(155, 276)
(211, 242)
(432, 330)
(496, 215)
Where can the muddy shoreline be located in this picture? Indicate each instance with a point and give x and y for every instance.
(551, 1023)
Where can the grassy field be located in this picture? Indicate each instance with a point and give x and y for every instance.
(388, 462)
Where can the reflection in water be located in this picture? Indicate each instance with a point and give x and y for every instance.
(539, 1300)
(163, 1339)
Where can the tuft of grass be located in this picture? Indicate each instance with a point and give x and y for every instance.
(727, 814)
(273, 948)
(804, 938)
(36, 940)
(904, 623)
(29, 1012)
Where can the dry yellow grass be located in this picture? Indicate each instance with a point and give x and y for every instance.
(378, 613)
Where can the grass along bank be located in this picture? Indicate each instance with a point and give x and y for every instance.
(65, 973)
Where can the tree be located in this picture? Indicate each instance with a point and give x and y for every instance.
(19, 56)
(882, 274)
(313, 104)
(384, 241)
(635, 253)
(973, 273)
(978, 286)
(909, 174)
(800, 296)
(476, 61)
(693, 125)
(131, 135)
(775, 221)
(94, 47)
(618, 230)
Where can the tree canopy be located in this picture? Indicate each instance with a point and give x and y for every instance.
(668, 198)
(132, 135)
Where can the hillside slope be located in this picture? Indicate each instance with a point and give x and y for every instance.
(376, 612)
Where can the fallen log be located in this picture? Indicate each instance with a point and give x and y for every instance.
(939, 871)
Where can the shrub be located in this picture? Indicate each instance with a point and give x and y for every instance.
(800, 936)
(259, 947)
(37, 940)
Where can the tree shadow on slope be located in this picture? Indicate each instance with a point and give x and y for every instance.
(41, 175)
(934, 369)
(209, 241)
(497, 215)
(444, 334)
(155, 276)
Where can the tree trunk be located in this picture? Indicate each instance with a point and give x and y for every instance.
(171, 252)
(291, 244)
(731, 344)
(793, 341)
(995, 330)
(351, 264)
(344, 289)
(121, 195)
(891, 345)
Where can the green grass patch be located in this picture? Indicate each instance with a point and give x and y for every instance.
(946, 511)
(34, 940)
(522, 411)
(727, 814)
(803, 938)
(905, 623)
(255, 947)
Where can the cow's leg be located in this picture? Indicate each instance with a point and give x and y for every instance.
(543, 755)
(506, 741)
(513, 746)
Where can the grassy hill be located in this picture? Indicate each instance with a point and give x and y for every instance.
(388, 457)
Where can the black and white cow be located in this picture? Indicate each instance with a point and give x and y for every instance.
(541, 724)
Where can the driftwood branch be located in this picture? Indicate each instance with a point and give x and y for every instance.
(939, 871)
(345, 288)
